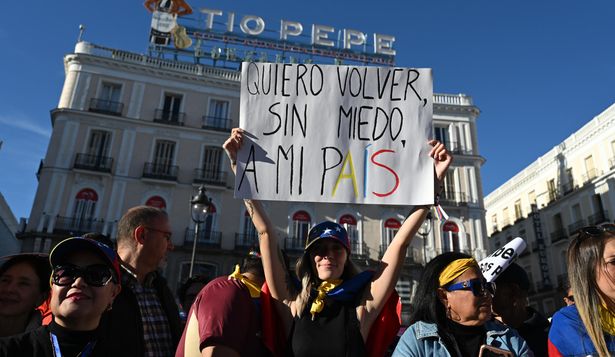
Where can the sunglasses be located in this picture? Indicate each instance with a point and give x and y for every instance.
(571, 298)
(479, 287)
(596, 231)
(94, 275)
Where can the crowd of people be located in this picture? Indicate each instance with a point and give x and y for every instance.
(91, 297)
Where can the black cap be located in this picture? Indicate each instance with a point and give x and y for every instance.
(514, 274)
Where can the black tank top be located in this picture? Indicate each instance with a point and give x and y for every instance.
(335, 332)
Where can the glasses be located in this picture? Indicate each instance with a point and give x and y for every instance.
(94, 275)
(167, 234)
(479, 287)
(596, 231)
(570, 297)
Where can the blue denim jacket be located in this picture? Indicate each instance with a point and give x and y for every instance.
(421, 339)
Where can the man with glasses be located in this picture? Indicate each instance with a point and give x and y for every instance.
(145, 318)
(510, 306)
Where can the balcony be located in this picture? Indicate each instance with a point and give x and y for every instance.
(171, 118)
(452, 198)
(216, 123)
(206, 239)
(74, 226)
(105, 106)
(590, 175)
(210, 177)
(160, 172)
(93, 163)
(574, 227)
(359, 249)
(558, 235)
(294, 244)
(598, 218)
(245, 241)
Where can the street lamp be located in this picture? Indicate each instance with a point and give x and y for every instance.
(199, 206)
(424, 231)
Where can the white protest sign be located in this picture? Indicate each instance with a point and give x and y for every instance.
(325, 133)
(499, 260)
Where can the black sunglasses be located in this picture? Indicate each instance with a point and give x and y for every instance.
(571, 297)
(94, 275)
(479, 287)
(596, 231)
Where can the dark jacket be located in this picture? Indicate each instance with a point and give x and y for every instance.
(535, 331)
(123, 324)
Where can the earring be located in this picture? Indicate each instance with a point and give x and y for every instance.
(109, 307)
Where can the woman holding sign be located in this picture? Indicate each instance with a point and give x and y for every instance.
(333, 310)
(588, 326)
(452, 314)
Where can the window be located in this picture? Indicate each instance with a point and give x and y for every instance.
(85, 206)
(589, 168)
(505, 217)
(98, 144)
(551, 190)
(171, 107)
(451, 237)
(111, 92)
(531, 197)
(449, 186)
(518, 211)
(108, 100)
(558, 225)
(248, 227)
(217, 116)
(212, 163)
(163, 156)
(441, 134)
(391, 226)
(349, 222)
(301, 225)
(494, 222)
(576, 212)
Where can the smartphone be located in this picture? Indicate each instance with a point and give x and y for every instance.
(490, 351)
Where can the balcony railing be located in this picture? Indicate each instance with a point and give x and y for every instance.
(590, 175)
(77, 226)
(93, 162)
(206, 239)
(558, 235)
(600, 217)
(294, 244)
(160, 172)
(105, 106)
(453, 198)
(572, 228)
(168, 117)
(245, 241)
(212, 177)
(216, 123)
(359, 249)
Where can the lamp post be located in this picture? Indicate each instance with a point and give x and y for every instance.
(199, 207)
(424, 231)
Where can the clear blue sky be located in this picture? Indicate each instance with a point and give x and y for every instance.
(538, 70)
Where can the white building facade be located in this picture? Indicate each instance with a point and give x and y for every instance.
(131, 130)
(570, 187)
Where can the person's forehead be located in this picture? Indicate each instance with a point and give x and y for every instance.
(21, 270)
(472, 273)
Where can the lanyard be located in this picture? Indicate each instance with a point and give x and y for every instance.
(56, 347)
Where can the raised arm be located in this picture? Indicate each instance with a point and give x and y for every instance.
(393, 258)
(273, 262)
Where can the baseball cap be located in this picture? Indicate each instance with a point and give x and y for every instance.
(328, 230)
(75, 244)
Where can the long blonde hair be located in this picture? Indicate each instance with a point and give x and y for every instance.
(584, 258)
(309, 278)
